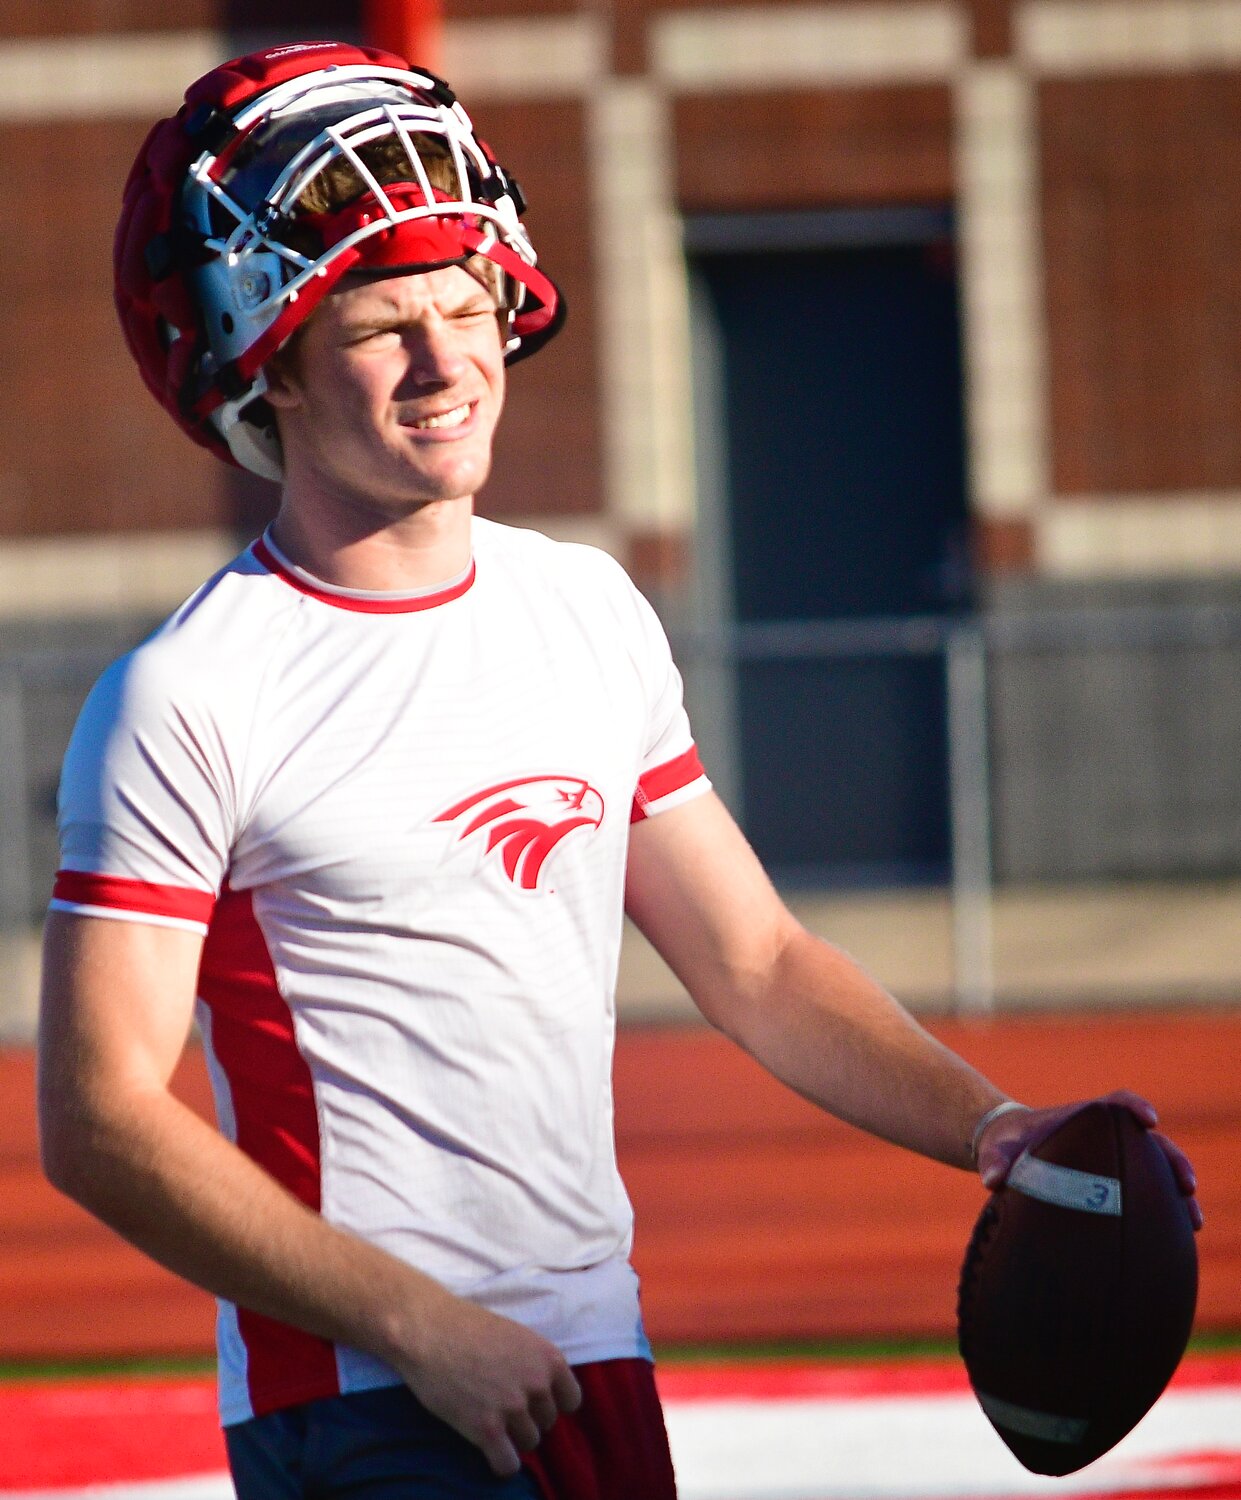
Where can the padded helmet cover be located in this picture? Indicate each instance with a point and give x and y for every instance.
(217, 262)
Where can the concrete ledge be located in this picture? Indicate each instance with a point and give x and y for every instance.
(1055, 948)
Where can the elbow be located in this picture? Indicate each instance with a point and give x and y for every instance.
(70, 1140)
(746, 998)
(723, 1011)
(735, 1006)
(62, 1153)
(95, 1143)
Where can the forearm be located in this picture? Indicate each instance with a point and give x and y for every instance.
(172, 1185)
(824, 1027)
(117, 1003)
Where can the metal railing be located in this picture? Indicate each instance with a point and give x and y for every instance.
(968, 647)
(29, 764)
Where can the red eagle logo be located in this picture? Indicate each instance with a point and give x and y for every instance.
(525, 819)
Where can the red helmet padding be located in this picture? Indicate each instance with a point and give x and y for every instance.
(233, 83)
(432, 241)
(149, 203)
(142, 304)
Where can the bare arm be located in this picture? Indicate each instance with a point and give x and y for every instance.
(807, 1012)
(802, 1008)
(116, 1011)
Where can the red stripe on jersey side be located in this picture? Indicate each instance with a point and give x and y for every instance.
(662, 781)
(361, 604)
(273, 1101)
(84, 888)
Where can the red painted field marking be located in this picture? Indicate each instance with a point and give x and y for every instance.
(55, 1436)
(78, 1433)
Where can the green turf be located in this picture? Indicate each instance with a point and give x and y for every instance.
(826, 1351)
(1220, 1340)
(834, 1351)
(101, 1369)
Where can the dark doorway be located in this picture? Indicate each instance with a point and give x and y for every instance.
(838, 379)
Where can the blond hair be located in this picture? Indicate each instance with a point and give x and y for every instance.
(387, 160)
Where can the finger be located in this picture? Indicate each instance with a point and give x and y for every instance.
(993, 1171)
(1141, 1109)
(997, 1163)
(544, 1410)
(565, 1389)
(1182, 1167)
(1186, 1177)
(499, 1452)
(524, 1431)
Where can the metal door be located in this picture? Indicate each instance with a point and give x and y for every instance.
(830, 428)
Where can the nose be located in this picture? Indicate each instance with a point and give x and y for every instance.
(434, 353)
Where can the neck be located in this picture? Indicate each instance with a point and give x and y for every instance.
(375, 551)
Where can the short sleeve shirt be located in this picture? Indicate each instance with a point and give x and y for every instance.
(401, 823)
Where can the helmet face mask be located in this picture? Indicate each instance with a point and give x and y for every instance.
(341, 165)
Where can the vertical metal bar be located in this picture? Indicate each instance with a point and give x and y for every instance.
(410, 28)
(969, 775)
(713, 681)
(14, 809)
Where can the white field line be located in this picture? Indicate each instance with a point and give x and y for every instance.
(200, 1487)
(927, 1448)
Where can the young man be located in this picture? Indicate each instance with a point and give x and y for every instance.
(375, 798)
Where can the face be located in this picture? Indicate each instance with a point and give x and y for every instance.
(392, 398)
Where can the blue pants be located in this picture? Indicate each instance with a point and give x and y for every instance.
(381, 1445)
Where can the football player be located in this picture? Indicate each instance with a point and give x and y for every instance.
(371, 805)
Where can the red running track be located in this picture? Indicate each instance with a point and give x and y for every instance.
(758, 1217)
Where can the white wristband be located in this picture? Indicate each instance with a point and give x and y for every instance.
(994, 1113)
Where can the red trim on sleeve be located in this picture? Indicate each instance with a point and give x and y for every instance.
(361, 602)
(662, 781)
(84, 888)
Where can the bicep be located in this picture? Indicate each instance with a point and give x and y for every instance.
(116, 1008)
(698, 893)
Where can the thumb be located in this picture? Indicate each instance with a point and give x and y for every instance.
(997, 1163)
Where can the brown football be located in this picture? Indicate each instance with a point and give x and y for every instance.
(1078, 1289)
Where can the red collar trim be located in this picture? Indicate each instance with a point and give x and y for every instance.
(357, 599)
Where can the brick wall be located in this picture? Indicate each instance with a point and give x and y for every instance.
(1081, 152)
(83, 447)
(544, 145)
(31, 18)
(813, 148)
(1142, 231)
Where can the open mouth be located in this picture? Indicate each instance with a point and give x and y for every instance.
(443, 419)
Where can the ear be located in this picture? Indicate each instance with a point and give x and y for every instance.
(283, 391)
(281, 375)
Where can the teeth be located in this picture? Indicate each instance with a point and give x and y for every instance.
(452, 418)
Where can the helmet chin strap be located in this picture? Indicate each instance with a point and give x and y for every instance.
(255, 446)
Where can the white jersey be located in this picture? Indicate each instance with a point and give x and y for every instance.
(402, 824)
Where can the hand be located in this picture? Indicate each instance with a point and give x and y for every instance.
(496, 1383)
(1010, 1134)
